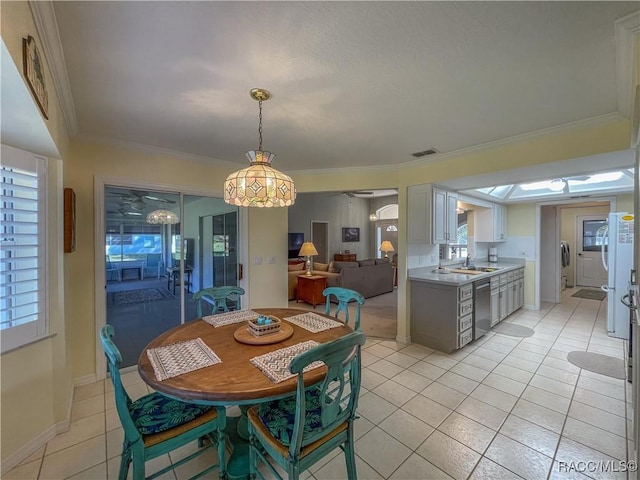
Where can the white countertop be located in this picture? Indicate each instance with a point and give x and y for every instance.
(427, 274)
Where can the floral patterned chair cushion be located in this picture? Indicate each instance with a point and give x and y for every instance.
(156, 413)
(279, 415)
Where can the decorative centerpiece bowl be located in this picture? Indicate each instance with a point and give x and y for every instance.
(264, 325)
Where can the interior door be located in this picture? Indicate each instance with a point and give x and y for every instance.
(589, 269)
(320, 239)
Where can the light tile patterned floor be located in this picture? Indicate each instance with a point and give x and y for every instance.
(503, 407)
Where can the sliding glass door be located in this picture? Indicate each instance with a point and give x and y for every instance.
(153, 269)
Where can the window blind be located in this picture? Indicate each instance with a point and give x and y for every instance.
(22, 248)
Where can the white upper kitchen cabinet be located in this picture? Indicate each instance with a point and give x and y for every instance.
(445, 217)
(491, 224)
(432, 217)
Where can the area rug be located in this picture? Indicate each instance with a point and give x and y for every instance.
(513, 330)
(590, 294)
(598, 363)
(143, 295)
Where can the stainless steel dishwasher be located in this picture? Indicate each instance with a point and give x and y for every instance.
(481, 307)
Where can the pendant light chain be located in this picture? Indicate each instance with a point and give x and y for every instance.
(260, 124)
(259, 185)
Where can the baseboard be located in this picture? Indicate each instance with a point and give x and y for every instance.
(31, 447)
(405, 340)
(41, 439)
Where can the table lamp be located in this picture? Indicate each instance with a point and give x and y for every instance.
(308, 249)
(386, 247)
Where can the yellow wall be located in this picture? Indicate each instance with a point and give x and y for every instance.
(521, 220)
(36, 379)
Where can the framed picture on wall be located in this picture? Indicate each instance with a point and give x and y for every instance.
(69, 220)
(350, 234)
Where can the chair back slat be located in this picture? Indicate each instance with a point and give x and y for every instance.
(338, 392)
(218, 297)
(344, 297)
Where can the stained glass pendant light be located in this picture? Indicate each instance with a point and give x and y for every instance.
(259, 185)
(162, 216)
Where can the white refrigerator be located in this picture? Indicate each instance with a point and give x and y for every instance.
(618, 261)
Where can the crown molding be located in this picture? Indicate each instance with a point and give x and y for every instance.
(44, 17)
(567, 127)
(626, 61)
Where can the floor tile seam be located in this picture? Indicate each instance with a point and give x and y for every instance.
(468, 446)
(596, 426)
(493, 461)
(564, 424)
(597, 408)
(556, 379)
(74, 444)
(363, 461)
(527, 446)
(439, 468)
(78, 400)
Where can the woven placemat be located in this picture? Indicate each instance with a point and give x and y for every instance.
(222, 319)
(182, 357)
(275, 365)
(313, 322)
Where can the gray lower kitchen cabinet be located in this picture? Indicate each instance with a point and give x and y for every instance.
(519, 288)
(441, 315)
(503, 296)
(495, 300)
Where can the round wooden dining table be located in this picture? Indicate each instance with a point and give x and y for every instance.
(234, 381)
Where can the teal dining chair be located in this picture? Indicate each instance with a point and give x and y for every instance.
(155, 424)
(299, 430)
(219, 298)
(344, 296)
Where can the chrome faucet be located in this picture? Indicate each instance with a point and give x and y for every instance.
(467, 261)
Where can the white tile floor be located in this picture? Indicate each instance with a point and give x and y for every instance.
(503, 407)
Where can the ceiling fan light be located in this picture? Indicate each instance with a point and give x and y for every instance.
(162, 216)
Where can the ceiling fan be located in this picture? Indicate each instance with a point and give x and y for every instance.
(136, 198)
(123, 212)
(355, 193)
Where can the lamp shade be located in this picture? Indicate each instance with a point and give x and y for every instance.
(386, 246)
(162, 216)
(308, 249)
(259, 185)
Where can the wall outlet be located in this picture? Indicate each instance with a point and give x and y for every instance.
(258, 261)
(433, 259)
(420, 259)
(271, 260)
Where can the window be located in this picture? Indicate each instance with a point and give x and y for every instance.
(23, 302)
(593, 232)
(132, 242)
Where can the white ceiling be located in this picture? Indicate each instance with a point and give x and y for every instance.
(353, 83)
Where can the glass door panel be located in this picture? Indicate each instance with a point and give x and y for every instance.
(139, 303)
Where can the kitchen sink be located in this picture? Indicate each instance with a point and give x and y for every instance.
(476, 270)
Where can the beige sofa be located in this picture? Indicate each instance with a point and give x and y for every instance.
(368, 277)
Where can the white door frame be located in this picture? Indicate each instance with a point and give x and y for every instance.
(612, 208)
(99, 184)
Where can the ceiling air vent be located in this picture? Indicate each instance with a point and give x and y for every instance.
(424, 153)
